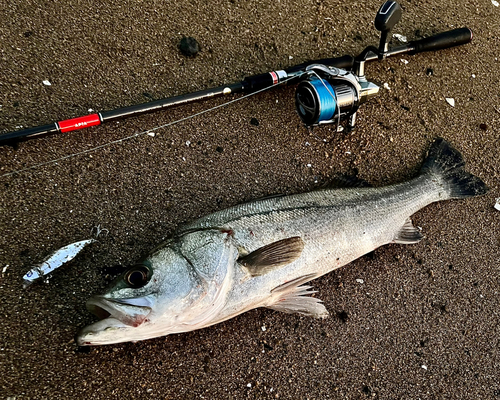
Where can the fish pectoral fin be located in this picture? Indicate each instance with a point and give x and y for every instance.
(408, 234)
(272, 256)
(293, 298)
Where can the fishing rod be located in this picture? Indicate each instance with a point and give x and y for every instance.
(330, 90)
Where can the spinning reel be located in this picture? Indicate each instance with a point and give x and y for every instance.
(329, 95)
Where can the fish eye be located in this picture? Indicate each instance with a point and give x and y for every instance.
(137, 276)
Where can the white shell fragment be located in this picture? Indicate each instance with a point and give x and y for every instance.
(450, 101)
(495, 3)
(386, 86)
(47, 83)
(55, 260)
(497, 204)
(401, 38)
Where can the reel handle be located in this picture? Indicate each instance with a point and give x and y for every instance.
(388, 15)
(444, 40)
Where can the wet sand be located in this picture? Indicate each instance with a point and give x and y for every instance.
(424, 324)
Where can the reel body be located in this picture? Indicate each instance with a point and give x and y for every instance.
(329, 95)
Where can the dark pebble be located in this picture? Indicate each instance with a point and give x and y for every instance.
(219, 149)
(429, 71)
(343, 316)
(254, 121)
(444, 308)
(24, 253)
(189, 46)
(484, 127)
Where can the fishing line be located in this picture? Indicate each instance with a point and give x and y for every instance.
(327, 103)
(330, 102)
(93, 149)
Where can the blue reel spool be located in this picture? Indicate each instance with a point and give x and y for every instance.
(315, 100)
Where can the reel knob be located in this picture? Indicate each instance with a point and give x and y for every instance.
(387, 16)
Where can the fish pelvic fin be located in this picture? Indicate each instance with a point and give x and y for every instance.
(446, 162)
(293, 299)
(272, 256)
(408, 234)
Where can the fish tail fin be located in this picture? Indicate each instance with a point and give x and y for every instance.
(446, 162)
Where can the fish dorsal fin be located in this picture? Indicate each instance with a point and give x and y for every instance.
(292, 298)
(347, 181)
(272, 256)
(408, 234)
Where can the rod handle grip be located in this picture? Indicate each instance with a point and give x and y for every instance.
(455, 37)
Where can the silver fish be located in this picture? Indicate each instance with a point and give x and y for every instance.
(55, 260)
(260, 254)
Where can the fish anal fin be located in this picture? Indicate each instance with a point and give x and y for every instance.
(408, 234)
(272, 256)
(292, 298)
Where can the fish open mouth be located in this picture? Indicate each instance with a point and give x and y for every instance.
(131, 312)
